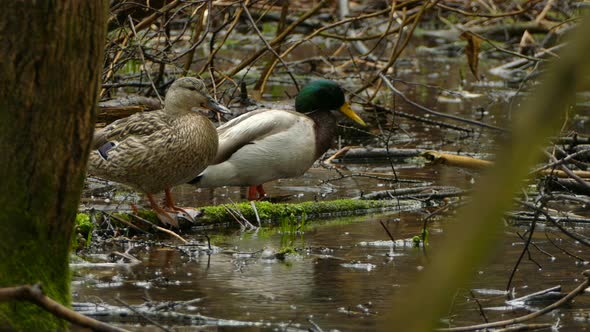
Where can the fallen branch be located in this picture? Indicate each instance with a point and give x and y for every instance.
(435, 157)
(431, 192)
(353, 153)
(569, 185)
(114, 109)
(34, 294)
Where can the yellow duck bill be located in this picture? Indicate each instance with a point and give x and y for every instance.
(347, 110)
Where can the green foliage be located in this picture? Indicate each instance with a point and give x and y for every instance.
(82, 231)
(285, 250)
(421, 239)
(132, 66)
(416, 241)
(83, 224)
(290, 228)
(269, 29)
(425, 236)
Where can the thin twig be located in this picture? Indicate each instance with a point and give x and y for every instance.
(278, 57)
(569, 172)
(161, 229)
(140, 49)
(142, 315)
(479, 307)
(125, 222)
(531, 230)
(562, 249)
(554, 222)
(387, 231)
(439, 114)
(253, 205)
(512, 13)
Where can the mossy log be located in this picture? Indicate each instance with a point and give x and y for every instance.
(273, 213)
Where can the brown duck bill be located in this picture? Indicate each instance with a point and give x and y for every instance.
(217, 107)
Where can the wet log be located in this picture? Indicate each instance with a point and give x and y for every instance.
(357, 154)
(114, 109)
(274, 213)
(435, 158)
(527, 217)
(573, 140)
(583, 151)
(430, 192)
(376, 153)
(508, 70)
(164, 313)
(514, 29)
(569, 185)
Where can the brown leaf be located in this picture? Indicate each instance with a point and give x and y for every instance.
(527, 44)
(472, 51)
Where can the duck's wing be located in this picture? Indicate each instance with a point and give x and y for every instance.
(251, 127)
(138, 124)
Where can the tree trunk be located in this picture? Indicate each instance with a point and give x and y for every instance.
(50, 70)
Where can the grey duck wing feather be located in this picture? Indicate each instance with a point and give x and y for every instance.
(248, 128)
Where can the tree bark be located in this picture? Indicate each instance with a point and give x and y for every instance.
(51, 55)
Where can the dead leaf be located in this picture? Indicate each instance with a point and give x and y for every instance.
(472, 51)
(527, 44)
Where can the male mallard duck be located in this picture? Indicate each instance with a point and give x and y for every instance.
(269, 144)
(154, 151)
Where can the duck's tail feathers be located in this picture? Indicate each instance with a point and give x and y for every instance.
(196, 180)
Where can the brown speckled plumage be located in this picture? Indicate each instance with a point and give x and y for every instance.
(154, 151)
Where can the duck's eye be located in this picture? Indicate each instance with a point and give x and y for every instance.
(192, 88)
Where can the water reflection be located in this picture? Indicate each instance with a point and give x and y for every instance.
(321, 281)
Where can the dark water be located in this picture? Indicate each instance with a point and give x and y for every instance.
(345, 273)
(344, 276)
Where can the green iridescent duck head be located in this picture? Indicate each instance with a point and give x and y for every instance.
(324, 95)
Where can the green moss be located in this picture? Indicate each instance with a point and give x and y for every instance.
(273, 213)
(33, 268)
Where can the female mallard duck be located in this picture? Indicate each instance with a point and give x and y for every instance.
(154, 151)
(269, 144)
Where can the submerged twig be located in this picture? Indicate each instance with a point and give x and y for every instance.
(575, 292)
(439, 114)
